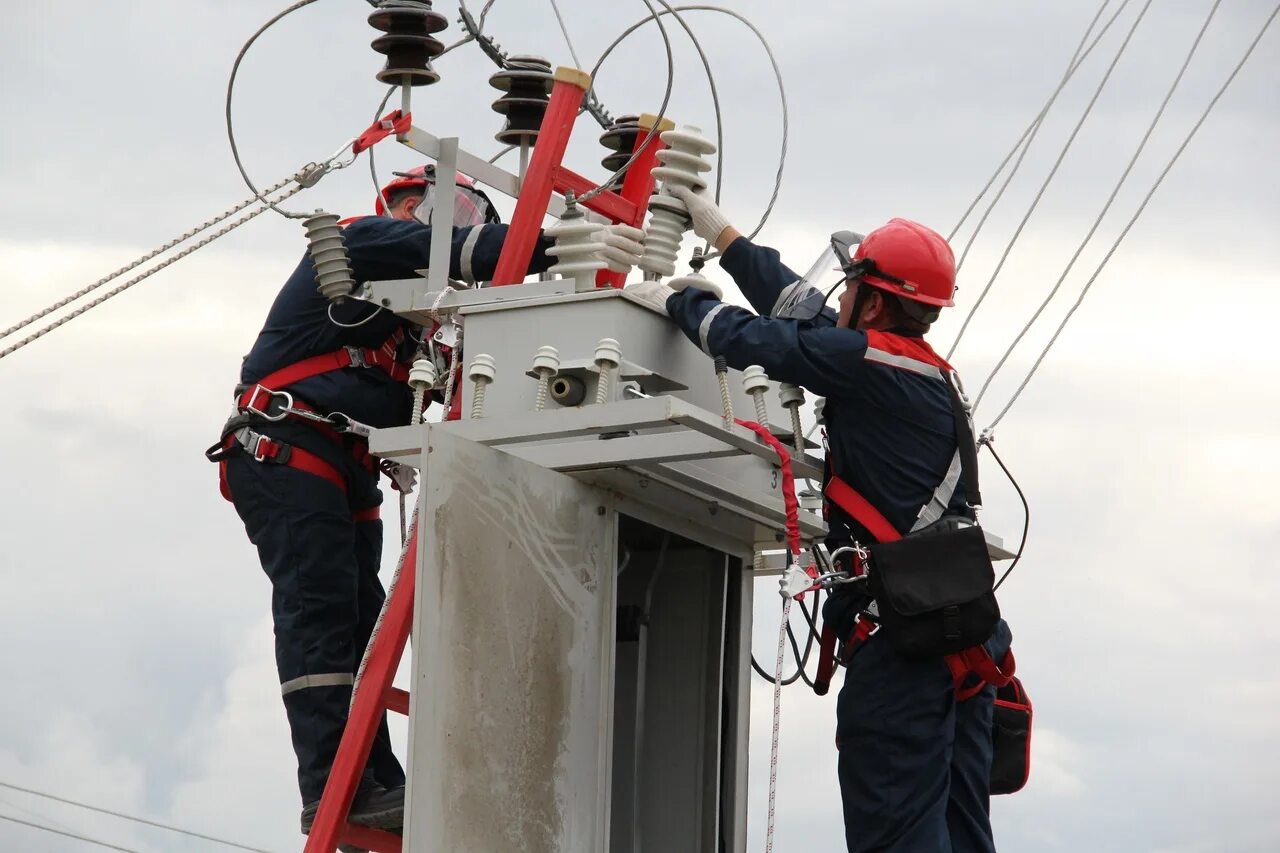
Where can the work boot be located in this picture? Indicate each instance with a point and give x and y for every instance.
(373, 806)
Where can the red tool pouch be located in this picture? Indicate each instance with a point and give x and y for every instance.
(1011, 739)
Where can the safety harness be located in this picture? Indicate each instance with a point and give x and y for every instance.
(895, 352)
(260, 402)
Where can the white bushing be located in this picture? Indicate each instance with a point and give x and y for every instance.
(755, 380)
(608, 353)
(682, 160)
(791, 395)
(423, 374)
(576, 251)
(482, 368)
(547, 359)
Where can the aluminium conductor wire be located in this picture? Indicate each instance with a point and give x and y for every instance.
(86, 839)
(1035, 202)
(1029, 135)
(555, 7)
(711, 82)
(231, 82)
(1072, 65)
(782, 94)
(1142, 144)
(662, 110)
(132, 818)
(1137, 213)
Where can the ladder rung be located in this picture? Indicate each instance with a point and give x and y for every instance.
(397, 700)
(376, 840)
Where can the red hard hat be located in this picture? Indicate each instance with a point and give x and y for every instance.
(418, 176)
(908, 260)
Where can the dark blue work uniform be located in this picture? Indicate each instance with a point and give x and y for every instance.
(914, 765)
(322, 562)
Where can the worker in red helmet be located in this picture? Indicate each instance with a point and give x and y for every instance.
(411, 195)
(914, 752)
(303, 481)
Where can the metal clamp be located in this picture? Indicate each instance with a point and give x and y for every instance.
(345, 423)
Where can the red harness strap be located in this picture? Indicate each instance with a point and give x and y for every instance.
(974, 660)
(267, 449)
(383, 357)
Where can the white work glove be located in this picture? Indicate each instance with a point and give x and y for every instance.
(708, 221)
(652, 294)
(623, 246)
(697, 281)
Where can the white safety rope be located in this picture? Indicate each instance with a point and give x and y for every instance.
(227, 229)
(777, 720)
(208, 223)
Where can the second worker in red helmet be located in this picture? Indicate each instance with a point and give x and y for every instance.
(914, 763)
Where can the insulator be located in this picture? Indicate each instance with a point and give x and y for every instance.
(682, 164)
(576, 250)
(620, 138)
(527, 83)
(694, 279)
(408, 43)
(329, 255)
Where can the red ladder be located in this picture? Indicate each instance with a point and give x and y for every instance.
(376, 695)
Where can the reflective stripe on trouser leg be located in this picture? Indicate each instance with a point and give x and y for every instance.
(305, 538)
(323, 679)
(468, 253)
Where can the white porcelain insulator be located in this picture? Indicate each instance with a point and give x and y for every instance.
(482, 369)
(608, 353)
(755, 380)
(683, 161)
(546, 359)
(668, 220)
(576, 251)
(791, 395)
(423, 374)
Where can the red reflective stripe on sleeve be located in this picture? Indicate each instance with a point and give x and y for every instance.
(849, 500)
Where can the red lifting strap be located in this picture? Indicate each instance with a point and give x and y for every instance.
(393, 122)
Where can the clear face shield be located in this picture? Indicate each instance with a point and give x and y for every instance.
(804, 299)
(469, 207)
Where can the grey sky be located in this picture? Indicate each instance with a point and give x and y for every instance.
(135, 616)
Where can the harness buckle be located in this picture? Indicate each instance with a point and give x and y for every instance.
(250, 407)
(356, 354)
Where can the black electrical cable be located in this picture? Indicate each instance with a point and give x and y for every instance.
(801, 659)
(1026, 514)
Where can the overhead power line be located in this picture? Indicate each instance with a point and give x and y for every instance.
(1115, 191)
(133, 818)
(1137, 213)
(86, 839)
(1035, 202)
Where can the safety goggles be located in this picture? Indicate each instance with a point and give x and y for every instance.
(470, 207)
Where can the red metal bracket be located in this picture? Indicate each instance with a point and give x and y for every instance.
(546, 175)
